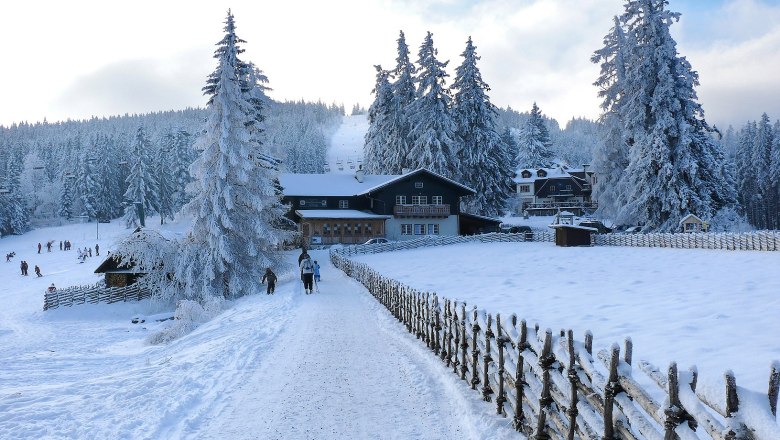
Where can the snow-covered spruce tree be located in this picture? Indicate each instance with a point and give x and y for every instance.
(87, 183)
(764, 198)
(181, 159)
(166, 186)
(14, 218)
(482, 161)
(396, 152)
(66, 196)
(673, 161)
(380, 121)
(747, 185)
(610, 158)
(533, 142)
(141, 182)
(235, 207)
(433, 134)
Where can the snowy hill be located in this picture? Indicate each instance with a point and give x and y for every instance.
(346, 145)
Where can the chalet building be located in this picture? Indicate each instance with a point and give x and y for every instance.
(545, 191)
(353, 208)
(692, 223)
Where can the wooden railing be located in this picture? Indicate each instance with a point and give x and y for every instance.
(421, 210)
(562, 205)
(552, 386)
(749, 241)
(94, 294)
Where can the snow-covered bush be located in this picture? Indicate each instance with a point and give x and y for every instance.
(729, 220)
(188, 316)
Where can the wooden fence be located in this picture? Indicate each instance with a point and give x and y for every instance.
(94, 294)
(552, 386)
(748, 241)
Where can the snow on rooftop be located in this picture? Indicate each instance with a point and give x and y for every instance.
(338, 213)
(329, 184)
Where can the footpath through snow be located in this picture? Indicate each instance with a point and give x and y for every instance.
(334, 364)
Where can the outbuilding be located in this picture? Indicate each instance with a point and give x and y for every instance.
(691, 223)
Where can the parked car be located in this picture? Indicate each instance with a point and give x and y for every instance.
(597, 225)
(633, 229)
(377, 241)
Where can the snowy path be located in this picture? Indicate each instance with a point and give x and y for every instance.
(329, 366)
(339, 374)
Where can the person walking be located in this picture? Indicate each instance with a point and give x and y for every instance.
(97, 249)
(21, 266)
(303, 255)
(307, 274)
(60, 244)
(90, 251)
(39, 248)
(316, 271)
(25, 266)
(48, 246)
(38, 271)
(269, 276)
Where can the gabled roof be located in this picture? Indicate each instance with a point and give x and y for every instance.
(691, 217)
(345, 185)
(559, 172)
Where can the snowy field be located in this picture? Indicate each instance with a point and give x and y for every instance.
(346, 144)
(714, 309)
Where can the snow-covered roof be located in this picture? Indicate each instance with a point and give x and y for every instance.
(338, 213)
(561, 171)
(691, 217)
(336, 185)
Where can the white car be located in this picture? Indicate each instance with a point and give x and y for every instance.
(377, 241)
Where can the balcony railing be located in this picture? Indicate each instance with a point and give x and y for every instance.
(421, 210)
(556, 205)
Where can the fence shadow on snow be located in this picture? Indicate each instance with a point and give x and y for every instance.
(553, 386)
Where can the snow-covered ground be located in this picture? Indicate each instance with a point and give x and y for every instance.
(331, 365)
(714, 309)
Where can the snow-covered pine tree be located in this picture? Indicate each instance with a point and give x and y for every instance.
(164, 180)
(533, 142)
(673, 164)
(141, 183)
(610, 158)
(87, 184)
(67, 196)
(235, 207)
(396, 152)
(181, 159)
(433, 134)
(380, 122)
(747, 186)
(14, 218)
(482, 162)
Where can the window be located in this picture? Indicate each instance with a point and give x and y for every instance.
(368, 228)
(418, 185)
(541, 173)
(568, 187)
(406, 229)
(325, 229)
(419, 229)
(357, 228)
(419, 200)
(433, 229)
(436, 200)
(302, 202)
(525, 188)
(347, 228)
(336, 230)
(526, 174)
(343, 204)
(400, 200)
(552, 189)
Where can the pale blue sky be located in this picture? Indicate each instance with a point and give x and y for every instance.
(89, 57)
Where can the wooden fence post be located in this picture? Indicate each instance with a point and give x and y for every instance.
(774, 387)
(628, 352)
(456, 330)
(444, 354)
(545, 400)
(463, 343)
(500, 341)
(589, 342)
(522, 343)
(610, 391)
(571, 372)
(732, 406)
(673, 412)
(436, 326)
(474, 351)
(486, 390)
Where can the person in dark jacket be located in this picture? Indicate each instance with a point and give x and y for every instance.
(38, 271)
(39, 248)
(307, 274)
(97, 249)
(25, 266)
(303, 255)
(269, 276)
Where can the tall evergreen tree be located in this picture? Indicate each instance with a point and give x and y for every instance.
(396, 153)
(534, 146)
(14, 218)
(237, 212)
(673, 161)
(142, 187)
(377, 138)
(482, 161)
(434, 139)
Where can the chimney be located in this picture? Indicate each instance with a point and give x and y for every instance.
(406, 170)
(359, 174)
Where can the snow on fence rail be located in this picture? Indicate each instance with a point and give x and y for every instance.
(554, 387)
(93, 294)
(748, 241)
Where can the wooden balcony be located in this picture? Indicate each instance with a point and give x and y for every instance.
(421, 211)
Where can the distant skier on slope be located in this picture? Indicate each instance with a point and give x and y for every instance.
(269, 276)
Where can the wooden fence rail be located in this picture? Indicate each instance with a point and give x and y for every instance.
(93, 294)
(552, 386)
(750, 241)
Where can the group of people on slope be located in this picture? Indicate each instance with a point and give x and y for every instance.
(310, 274)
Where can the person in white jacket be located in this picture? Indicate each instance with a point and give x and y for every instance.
(307, 274)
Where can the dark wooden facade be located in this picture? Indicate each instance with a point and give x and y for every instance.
(568, 236)
(116, 274)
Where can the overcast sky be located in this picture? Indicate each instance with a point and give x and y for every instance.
(77, 58)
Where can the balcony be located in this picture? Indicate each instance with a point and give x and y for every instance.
(421, 211)
(562, 205)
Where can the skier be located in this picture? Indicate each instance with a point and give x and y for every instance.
(25, 266)
(60, 244)
(39, 248)
(90, 251)
(269, 276)
(316, 271)
(307, 274)
(48, 246)
(38, 271)
(97, 249)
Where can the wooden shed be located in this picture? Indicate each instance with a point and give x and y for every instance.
(118, 274)
(691, 223)
(571, 235)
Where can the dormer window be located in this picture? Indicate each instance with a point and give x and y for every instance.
(418, 185)
(526, 174)
(541, 173)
